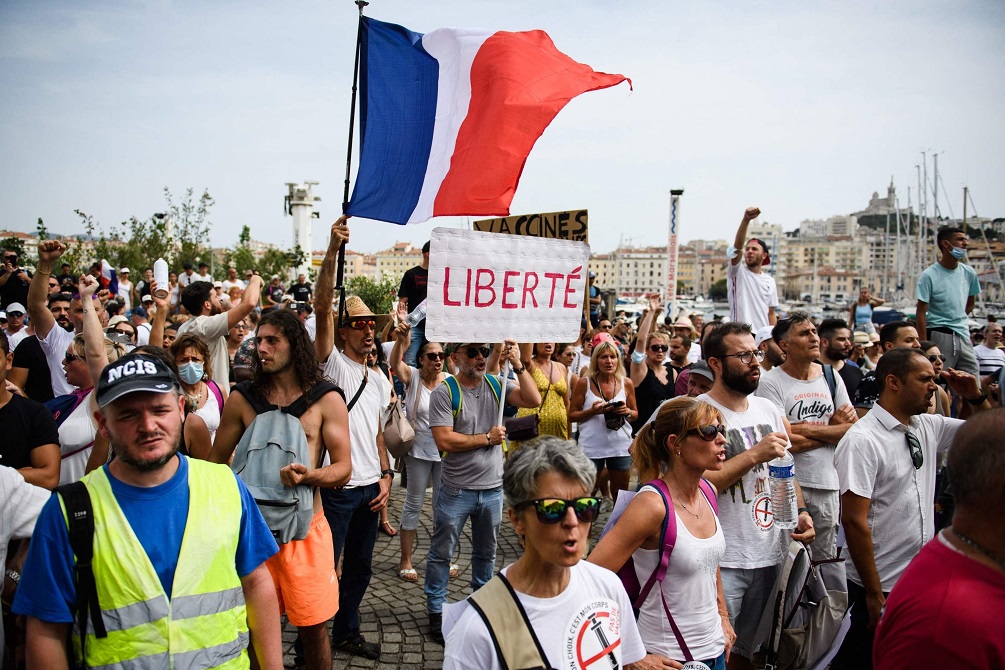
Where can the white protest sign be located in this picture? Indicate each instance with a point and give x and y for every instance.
(486, 287)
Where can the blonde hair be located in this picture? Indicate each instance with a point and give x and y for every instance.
(651, 454)
(113, 349)
(657, 335)
(597, 351)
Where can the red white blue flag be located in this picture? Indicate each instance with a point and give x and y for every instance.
(447, 119)
(109, 280)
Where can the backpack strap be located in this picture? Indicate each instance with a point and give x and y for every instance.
(668, 538)
(456, 397)
(297, 408)
(496, 386)
(217, 393)
(515, 641)
(831, 383)
(254, 398)
(80, 529)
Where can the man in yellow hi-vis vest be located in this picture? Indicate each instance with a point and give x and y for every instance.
(179, 548)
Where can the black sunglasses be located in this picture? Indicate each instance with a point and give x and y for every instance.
(708, 433)
(937, 357)
(553, 510)
(472, 352)
(658, 347)
(69, 358)
(436, 356)
(917, 456)
(604, 326)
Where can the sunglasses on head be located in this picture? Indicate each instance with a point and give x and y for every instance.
(553, 510)
(362, 324)
(69, 358)
(472, 352)
(658, 347)
(708, 433)
(436, 356)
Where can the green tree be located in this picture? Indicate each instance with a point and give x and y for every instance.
(717, 291)
(378, 296)
(240, 255)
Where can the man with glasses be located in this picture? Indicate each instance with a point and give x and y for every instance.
(14, 281)
(353, 510)
(890, 457)
(604, 325)
(471, 471)
(755, 435)
(15, 324)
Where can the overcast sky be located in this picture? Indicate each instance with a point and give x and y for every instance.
(802, 108)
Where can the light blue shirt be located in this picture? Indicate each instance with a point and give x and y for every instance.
(946, 292)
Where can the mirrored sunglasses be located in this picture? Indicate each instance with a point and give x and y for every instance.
(553, 510)
(362, 324)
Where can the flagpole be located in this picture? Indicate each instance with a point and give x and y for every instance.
(340, 266)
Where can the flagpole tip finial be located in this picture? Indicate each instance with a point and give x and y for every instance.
(361, 4)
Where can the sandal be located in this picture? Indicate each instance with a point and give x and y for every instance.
(408, 575)
(455, 571)
(387, 529)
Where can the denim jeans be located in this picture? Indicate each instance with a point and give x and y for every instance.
(418, 339)
(420, 474)
(354, 531)
(451, 509)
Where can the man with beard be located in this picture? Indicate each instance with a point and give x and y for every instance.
(890, 456)
(471, 473)
(54, 341)
(30, 368)
(286, 369)
(752, 294)
(179, 544)
(818, 416)
(893, 335)
(773, 355)
(755, 434)
(680, 345)
(211, 324)
(353, 509)
(835, 348)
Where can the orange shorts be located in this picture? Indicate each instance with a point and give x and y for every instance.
(304, 574)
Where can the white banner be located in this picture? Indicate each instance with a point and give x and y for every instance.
(486, 287)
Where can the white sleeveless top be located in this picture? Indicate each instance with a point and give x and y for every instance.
(690, 591)
(597, 441)
(76, 439)
(210, 413)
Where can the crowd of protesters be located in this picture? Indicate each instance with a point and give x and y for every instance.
(146, 395)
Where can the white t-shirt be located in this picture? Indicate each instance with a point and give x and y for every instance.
(694, 353)
(20, 504)
(808, 402)
(364, 417)
(14, 339)
(143, 334)
(690, 592)
(590, 617)
(55, 344)
(424, 447)
(213, 331)
(237, 283)
(873, 461)
(76, 440)
(750, 294)
(989, 360)
(752, 541)
(125, 293)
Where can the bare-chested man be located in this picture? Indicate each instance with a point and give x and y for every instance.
(286, 368)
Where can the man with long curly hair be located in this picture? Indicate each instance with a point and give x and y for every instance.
(284, 369)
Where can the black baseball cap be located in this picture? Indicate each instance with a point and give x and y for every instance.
(134, 373)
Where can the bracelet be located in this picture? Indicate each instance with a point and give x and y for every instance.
(488, 440)
(388, 472)
(14, 576)
(803, 509)
(977, 401)
(42, 272)
(520, 371)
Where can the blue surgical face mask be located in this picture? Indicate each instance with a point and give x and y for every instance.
(958, 252)
(191, 373)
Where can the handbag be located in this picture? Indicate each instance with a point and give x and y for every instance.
(524, 428)
(398, 432)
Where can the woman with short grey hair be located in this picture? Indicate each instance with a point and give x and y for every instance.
(570, 608)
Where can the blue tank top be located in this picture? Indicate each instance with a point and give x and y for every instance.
(863, 313)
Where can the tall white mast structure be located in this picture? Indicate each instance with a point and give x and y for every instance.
(300, 205)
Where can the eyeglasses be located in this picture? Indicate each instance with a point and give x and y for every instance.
(708, 433)
(436, 356)
(746, 356)
(937, 357)
(124, 331)
(658, 347)
(553, 510)
(362, 324)
(242, 326)
(917, 456)
(472, 352)
(69, 358)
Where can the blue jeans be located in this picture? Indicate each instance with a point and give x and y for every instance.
(354, 530)
(451, 509)
(418, 339)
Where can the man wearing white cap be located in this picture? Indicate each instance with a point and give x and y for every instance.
(15, 324)
(752, 294)
(773, 355)
(125, 289)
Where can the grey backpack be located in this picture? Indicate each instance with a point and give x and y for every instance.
(274, 440)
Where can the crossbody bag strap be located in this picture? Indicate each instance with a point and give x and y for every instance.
(515, 641)
(413, 416)
(359, 391)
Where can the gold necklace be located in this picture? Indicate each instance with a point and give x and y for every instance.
(679, 498)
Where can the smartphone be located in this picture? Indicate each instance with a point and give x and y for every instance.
(616, 404)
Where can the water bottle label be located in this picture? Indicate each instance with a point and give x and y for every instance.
(781, 471)
(694, 665)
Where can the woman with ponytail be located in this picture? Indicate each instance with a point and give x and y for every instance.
(684, 617)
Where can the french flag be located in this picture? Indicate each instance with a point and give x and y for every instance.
(109, 280)
(447, 119)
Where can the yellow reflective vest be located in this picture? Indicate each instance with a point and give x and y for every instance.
(204, 622)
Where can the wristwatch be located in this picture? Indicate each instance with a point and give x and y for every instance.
(977, 401)
(389, 473)
(519, 371)
(488, 439)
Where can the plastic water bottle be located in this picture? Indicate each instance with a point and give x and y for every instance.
(161, 277)
(416, 315)
(782, 480)
(694, 665)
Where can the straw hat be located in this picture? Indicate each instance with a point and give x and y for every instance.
(356, 308)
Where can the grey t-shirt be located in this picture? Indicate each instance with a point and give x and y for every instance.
(479, 468)
(807, 402)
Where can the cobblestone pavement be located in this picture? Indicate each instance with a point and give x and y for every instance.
(393, 612)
